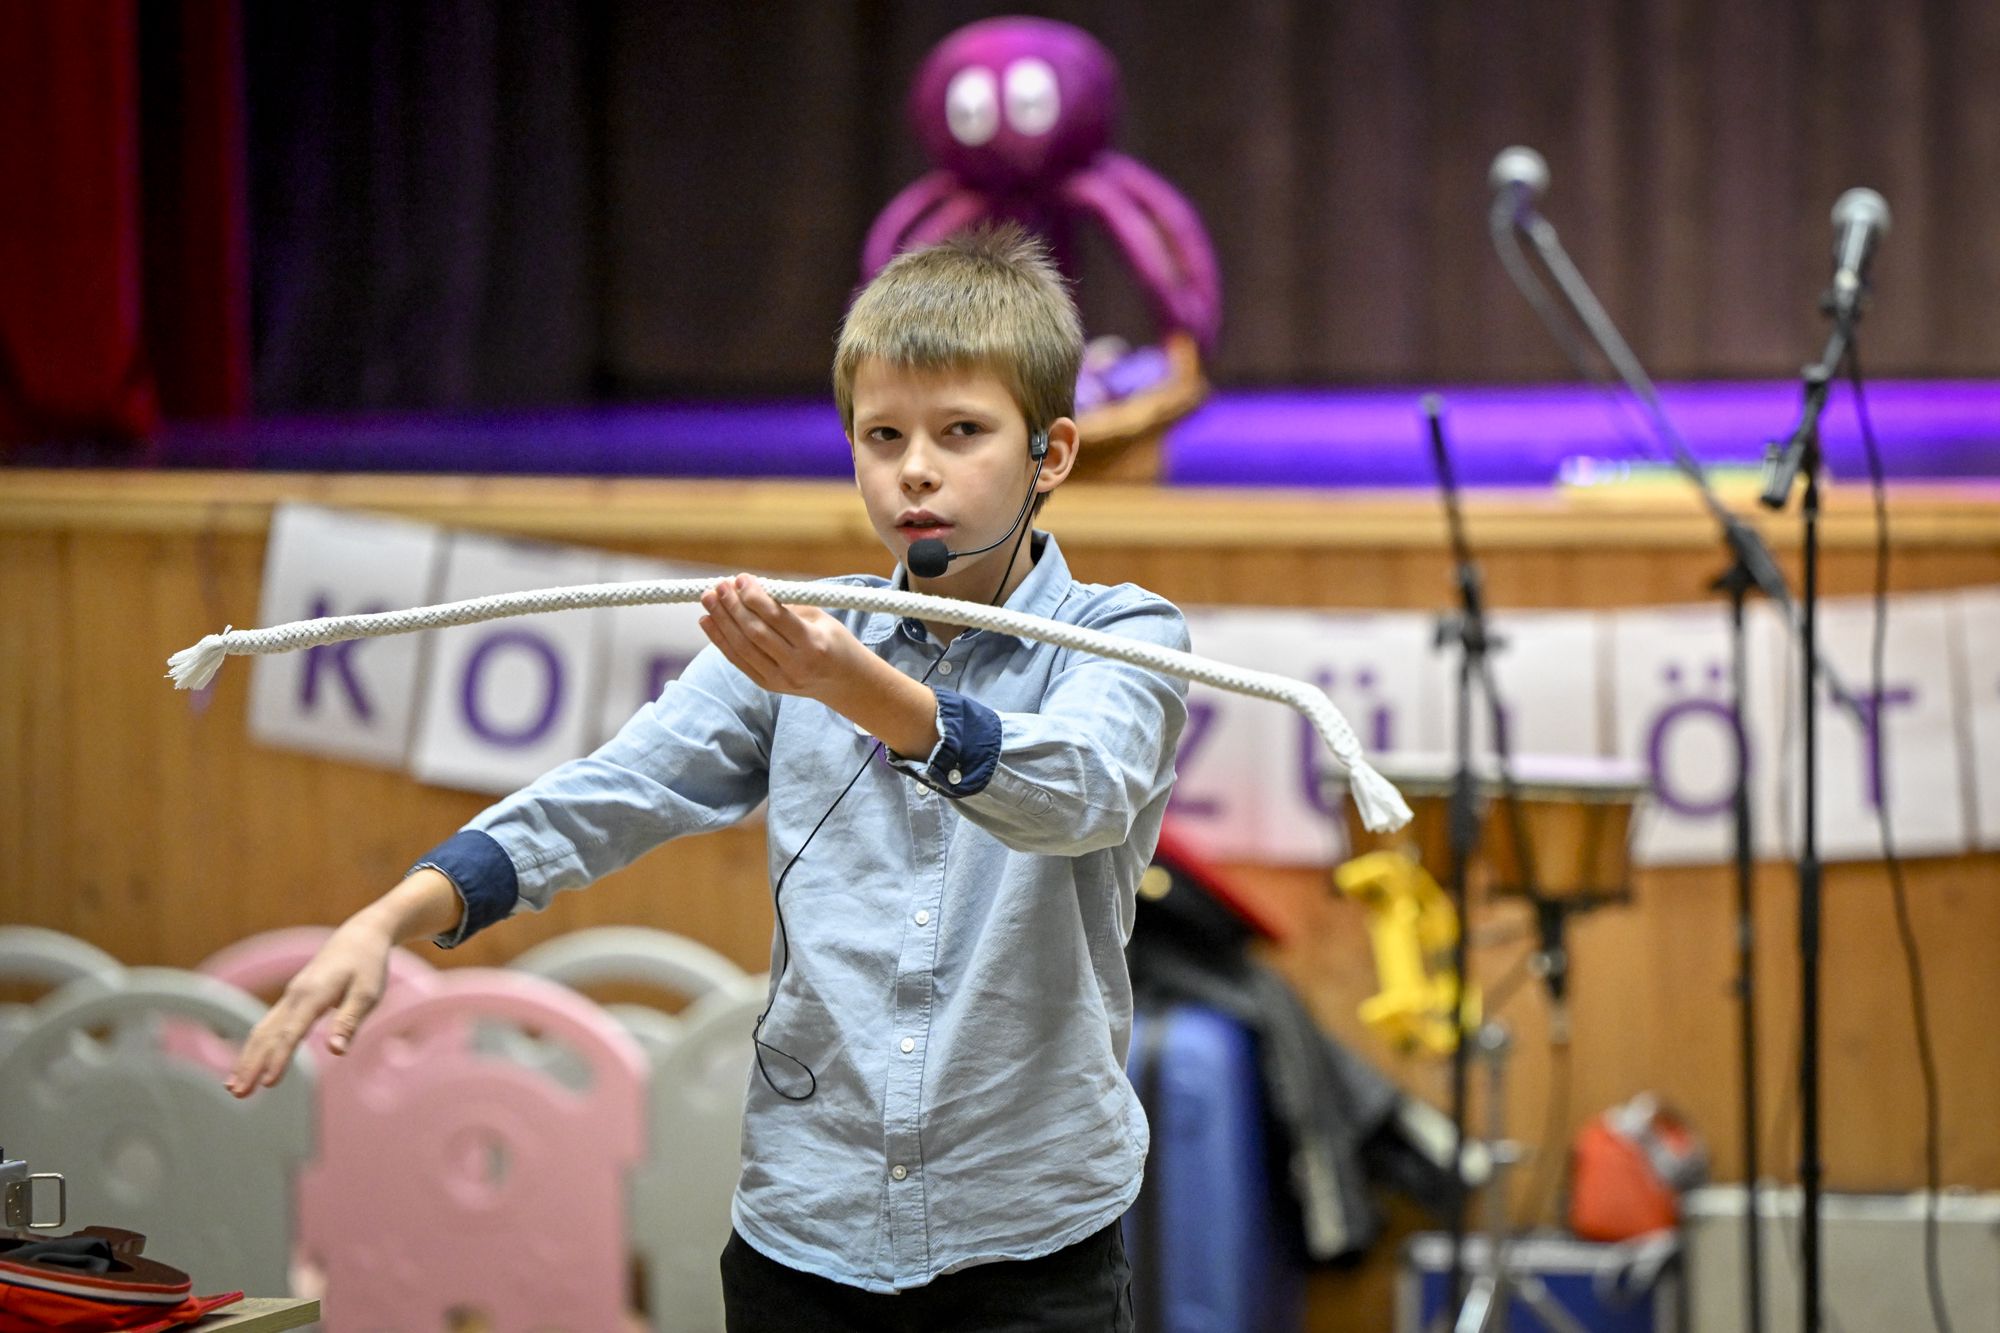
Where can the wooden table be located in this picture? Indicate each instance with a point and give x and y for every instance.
(260, 1314)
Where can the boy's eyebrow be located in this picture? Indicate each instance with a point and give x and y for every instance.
(872, 415)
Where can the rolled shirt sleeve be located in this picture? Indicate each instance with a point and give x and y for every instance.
(1073, 775)
(968, 748)
(483, 877)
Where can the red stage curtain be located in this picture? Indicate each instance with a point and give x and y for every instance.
(122, 275)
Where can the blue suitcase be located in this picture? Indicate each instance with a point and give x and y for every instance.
(1208, 1249)
(1558, 1284)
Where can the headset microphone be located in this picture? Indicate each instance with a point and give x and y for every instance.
(929, 558)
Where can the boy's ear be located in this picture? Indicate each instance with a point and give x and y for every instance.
(1064, 442)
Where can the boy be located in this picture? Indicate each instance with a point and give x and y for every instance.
(940, 1133)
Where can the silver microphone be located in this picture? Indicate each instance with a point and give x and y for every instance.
(1519, 176)
(1860, 219)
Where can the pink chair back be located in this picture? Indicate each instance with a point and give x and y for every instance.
(455, 1184)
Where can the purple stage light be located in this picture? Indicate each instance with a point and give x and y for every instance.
(1520, 436)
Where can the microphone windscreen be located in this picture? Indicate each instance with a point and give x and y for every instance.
(1863, 206)
(1519, 168)
(929, 558)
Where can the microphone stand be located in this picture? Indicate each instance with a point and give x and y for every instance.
(1469, 631)
(1801, 454)
(1735, 583)
(1751, 565)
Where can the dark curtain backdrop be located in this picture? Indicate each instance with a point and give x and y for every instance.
(462, 204)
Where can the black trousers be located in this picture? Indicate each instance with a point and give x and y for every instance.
(1082, 1288)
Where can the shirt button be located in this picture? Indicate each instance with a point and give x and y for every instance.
(923, 918)
(944, 668)
(954, 777)
(909, 1044)
(899, 1171)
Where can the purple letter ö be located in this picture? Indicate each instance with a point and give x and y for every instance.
(1672, 715)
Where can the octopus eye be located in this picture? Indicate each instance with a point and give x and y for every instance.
(1033, 104)
(972, 106)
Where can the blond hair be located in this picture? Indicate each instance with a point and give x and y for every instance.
(990, 298)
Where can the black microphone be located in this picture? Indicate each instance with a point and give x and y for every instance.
(1519, 176)
(1860, 219)
(930, 557)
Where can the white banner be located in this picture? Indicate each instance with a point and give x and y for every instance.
(348, 700)
(648, 645)
(1978, 647)
(1671, 712)
(1253, 774)
(1911, 731)
(1227, 737)
(508, 700)
(1547, 671)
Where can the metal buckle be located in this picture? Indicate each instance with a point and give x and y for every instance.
(17, 1198)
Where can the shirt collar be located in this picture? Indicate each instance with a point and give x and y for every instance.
(1040, 594)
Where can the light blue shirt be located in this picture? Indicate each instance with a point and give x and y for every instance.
(957, 978)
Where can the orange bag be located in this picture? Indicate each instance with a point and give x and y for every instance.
(1628, 1169)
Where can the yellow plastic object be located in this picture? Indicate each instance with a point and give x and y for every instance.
(1412, 929)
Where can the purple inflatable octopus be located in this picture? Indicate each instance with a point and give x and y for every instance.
(1017, 114)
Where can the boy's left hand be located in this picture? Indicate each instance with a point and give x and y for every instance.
(789, 650)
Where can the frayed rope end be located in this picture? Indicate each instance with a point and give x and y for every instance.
(1383, 809)
(192, 668)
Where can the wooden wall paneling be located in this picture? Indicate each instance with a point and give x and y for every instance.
(35, 759)
(146, 821)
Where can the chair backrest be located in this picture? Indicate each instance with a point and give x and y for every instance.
(151, 1143)
(639, 955)
(681, 1195)
(269, 960)
(35, 956)
(454, 1183)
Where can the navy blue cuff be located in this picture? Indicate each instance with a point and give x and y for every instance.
(480, 869)
(968, 748)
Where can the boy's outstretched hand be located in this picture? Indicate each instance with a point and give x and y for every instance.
(788, 650)
(802, 650)
(350, 971)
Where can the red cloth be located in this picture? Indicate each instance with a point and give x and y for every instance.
(1177, 855)
(70, 348)
(25, 1310)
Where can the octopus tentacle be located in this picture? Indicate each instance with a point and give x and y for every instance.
(1178, 221)
(930, 208)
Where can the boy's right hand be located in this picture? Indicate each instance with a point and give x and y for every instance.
(349, 971)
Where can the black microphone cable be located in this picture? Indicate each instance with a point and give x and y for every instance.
(1899, 893)
(1019, 531)
(930, 557)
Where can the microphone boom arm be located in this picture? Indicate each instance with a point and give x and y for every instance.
(1742, 539)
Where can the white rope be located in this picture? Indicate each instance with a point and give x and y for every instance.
(1381, 805)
